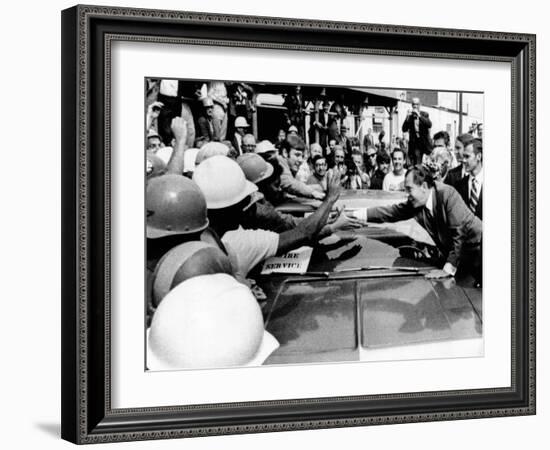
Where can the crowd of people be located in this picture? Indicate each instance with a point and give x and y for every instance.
(211, 197)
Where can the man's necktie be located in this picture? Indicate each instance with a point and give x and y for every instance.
(474, 195)
(428, 220)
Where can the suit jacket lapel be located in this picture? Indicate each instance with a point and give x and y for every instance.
(439, 214)
(479, 200)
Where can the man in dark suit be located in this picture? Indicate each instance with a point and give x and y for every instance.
(344, 140)
(470, 187)
(456, 174)
(418, 125)
(321, 125)
(206, 123)
(440, 210)
(368, 140)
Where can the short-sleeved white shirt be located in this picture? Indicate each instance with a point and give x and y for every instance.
(394, 182)
(247, 248)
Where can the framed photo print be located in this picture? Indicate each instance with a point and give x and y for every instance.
(282, 224)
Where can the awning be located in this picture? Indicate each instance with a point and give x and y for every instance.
(343, 95)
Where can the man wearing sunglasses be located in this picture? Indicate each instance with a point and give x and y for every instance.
(370, 161)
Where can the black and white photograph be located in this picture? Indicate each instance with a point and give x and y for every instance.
(287, 221)
(311, 224)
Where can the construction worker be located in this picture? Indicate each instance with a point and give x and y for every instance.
(228, 194)
(185, 261)
(267, 151)
(271, 187)
(241, 125)
(260, 213)
(176, 213)
(211, 149)
(208, 321)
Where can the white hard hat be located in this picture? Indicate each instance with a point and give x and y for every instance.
(265, 146)
(185, 261)
(206, 322)
(222, 182)
(267, 347)
(165, 153)
(207, 102)
(211, 149)
(293, 128)
(189, 159)
(240, 122)
(152, 133)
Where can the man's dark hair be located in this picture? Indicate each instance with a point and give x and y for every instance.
(397, 149)
(294, 142)
(443, 135)
(477, 145)
(420, 175)
(382, 158)
(317, 158)
(465, 139)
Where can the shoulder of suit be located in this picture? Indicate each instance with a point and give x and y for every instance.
(455, 170)
(444, 190)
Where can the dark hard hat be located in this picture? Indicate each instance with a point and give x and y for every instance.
(186, 261)
(175, 205)
(255, 168)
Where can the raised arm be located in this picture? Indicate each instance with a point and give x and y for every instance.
(425, 118)
(176, 162)
(406, 124)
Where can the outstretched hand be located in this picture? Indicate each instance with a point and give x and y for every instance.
(334, 186)
(344, 222)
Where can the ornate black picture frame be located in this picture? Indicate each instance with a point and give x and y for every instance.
(87, 35)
